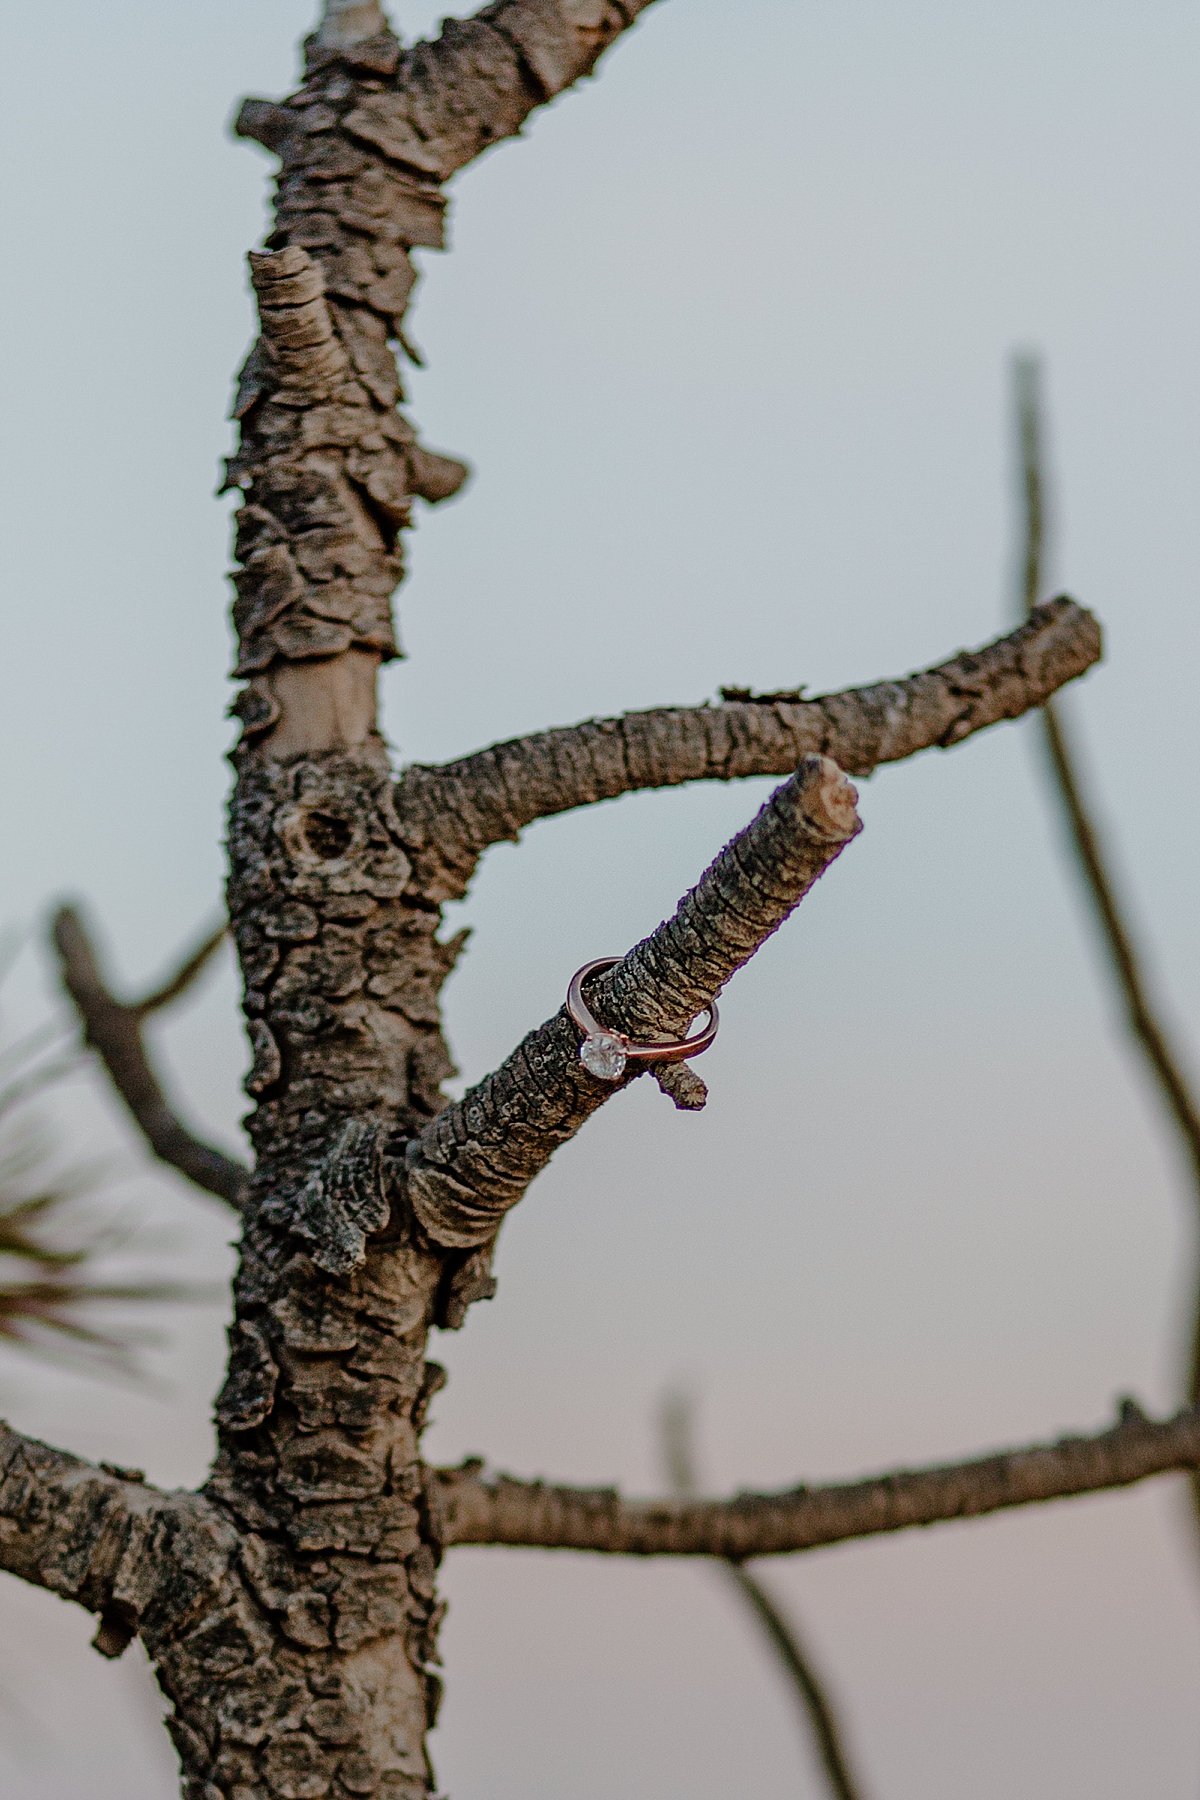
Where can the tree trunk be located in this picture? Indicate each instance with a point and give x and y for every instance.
(327, 1639)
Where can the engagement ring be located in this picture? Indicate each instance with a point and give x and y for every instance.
(604, 1053)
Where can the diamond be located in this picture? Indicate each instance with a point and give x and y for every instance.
(603, 1056)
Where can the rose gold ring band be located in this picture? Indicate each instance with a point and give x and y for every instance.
(604, 1049)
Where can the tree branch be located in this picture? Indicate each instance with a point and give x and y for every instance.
(176, 984)
(113, 1028)
(1144, 1012)
(534, 1514)
(452, 813)
(479, 81)
(60, 1518)
(144, 1560)
(809, 1689)
(477, 1158)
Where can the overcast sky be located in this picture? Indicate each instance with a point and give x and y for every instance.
(725, 340)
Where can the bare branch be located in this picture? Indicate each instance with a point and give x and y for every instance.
(810, 1690)
(1028, 408)
(476, 1159)
(59, 1515)
(680, 1083)
(65, 1523)
(144, 1560)
(1111, 911)
(114, 1030)
(479, 81)
(452, 813)
(1145, 1013)
(175, 985)
(534, 1514)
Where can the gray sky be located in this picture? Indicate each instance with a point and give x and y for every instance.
(725, 340)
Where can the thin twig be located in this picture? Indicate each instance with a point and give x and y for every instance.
(1145, 1013)
(114, 1030)
(816, 1707)
(178, 983)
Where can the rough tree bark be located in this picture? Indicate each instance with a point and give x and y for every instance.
(291, 1606)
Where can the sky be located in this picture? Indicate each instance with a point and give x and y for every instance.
(726, 340)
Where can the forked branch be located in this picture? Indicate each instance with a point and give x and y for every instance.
(113, 1028)
(478, 1157)
(451, 814)
(533, 1513)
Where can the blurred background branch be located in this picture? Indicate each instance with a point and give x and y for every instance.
(809, 1689)
(113, 1029)
(1118, 939)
